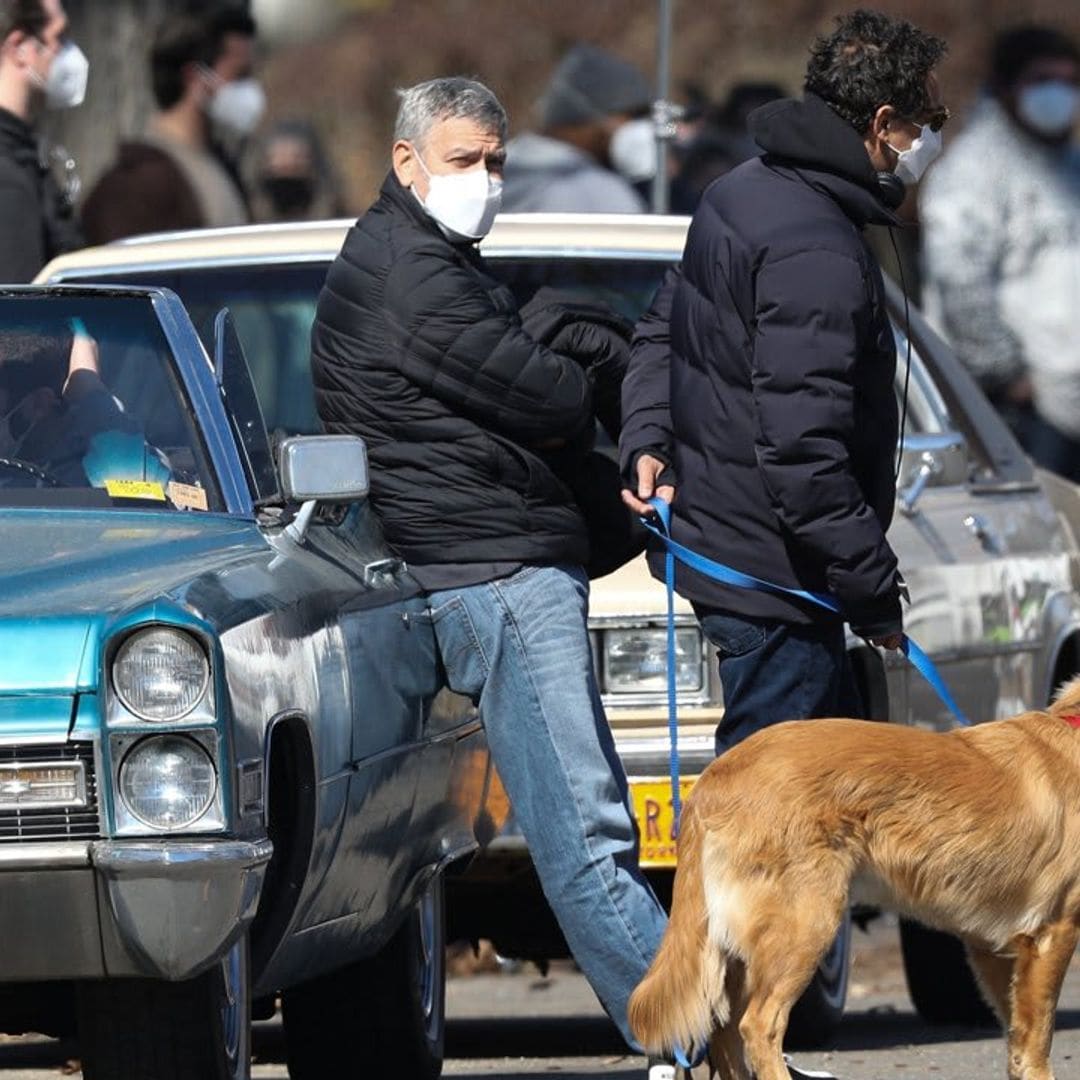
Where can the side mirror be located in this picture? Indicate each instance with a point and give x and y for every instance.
(926, 461)
(321, 468)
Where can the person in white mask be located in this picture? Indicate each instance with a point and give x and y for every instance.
(1001, 242)
(40, 67)
(595, 147)
(418, 348)
(182, 173)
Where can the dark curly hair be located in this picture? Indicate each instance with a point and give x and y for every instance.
(871, 60)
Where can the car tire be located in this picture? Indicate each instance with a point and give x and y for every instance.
(384, 1015)
(940, 981)
(150, 1029)
(817, 1013)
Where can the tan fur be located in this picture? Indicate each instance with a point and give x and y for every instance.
(975, 831)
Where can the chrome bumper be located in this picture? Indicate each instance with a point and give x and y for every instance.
(166, 909)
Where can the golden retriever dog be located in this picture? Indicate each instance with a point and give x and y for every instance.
(975, 831)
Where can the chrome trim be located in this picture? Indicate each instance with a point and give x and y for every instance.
(221, 262)
(76, 766)
(571, 252)
(216, 884)
(45, 855)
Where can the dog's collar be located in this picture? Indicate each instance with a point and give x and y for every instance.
(1072, 721)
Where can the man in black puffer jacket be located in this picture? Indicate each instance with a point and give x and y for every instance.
(762, 378)
(418, 349)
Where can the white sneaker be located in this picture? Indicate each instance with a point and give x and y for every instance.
(661, 1070)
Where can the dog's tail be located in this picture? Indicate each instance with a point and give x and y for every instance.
(682, 996)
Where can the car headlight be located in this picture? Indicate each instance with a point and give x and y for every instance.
(167, 781)
(160, 674)
(636, 660)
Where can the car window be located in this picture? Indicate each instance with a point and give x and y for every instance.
(626, 285)
(272, 307)
(92, 411)
(245, 413)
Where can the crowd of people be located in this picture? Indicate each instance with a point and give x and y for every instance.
(775, 319)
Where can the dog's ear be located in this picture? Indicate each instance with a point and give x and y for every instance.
(1067, 699)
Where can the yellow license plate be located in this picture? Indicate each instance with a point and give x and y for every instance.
(651, 801)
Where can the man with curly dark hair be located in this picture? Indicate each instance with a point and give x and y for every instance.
(762, 376)
(760, 400)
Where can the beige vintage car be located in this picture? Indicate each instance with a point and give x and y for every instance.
(986, 543)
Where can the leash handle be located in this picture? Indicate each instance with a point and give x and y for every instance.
(729, 576)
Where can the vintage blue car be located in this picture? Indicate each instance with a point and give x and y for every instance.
(228, 767)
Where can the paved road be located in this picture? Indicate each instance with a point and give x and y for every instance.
(522, 1025)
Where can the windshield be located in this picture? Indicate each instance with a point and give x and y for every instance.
(92, 412)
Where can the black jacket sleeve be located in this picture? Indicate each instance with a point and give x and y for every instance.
(646, 389)
(456, 340)
(593, 336)
(809, 315)
(22, 236)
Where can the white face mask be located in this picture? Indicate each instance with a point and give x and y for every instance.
(913, 162)
(238, 105)
(1049, 108)
(633, 150)
(463, 203)
(65, 85)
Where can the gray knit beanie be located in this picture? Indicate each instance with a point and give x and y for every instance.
(591, 83)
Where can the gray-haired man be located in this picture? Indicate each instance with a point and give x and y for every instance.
(418, 349)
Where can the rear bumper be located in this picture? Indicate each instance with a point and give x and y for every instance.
(163, 909)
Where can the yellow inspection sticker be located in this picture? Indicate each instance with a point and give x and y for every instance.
(135, 489)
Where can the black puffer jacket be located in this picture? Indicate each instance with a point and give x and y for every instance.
(765, 372)
(36, 219)
(420, 351)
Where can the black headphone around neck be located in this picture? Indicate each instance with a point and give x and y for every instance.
(891, 189)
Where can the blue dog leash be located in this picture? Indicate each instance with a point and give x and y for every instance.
(729, 576)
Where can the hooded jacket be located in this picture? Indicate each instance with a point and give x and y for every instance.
(36, 220)
(551, 176)
(420, 351)
(764, 373)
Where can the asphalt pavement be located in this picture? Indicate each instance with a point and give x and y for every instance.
(521, 1024)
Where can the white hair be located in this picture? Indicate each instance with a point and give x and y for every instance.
(442, 99)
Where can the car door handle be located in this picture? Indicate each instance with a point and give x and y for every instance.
(383, 571)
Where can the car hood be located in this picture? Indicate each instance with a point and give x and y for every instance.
(65, 577)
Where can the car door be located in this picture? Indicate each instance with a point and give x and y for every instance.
(978, 543)
(387, 657)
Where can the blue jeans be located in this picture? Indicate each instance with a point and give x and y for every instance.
(519, 646)
(773, 671)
